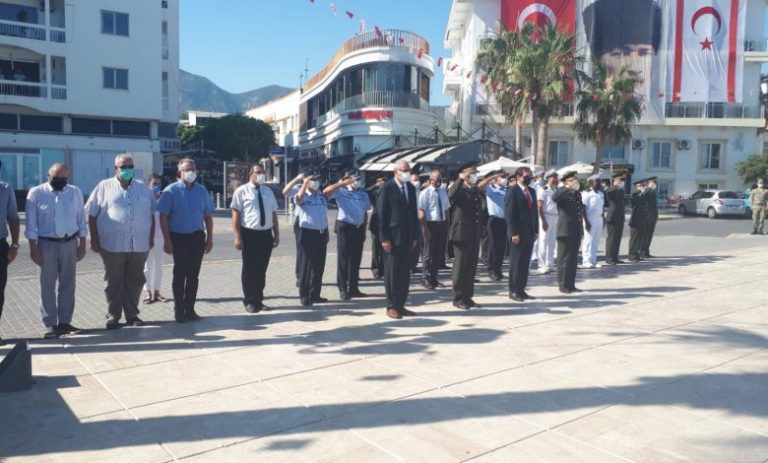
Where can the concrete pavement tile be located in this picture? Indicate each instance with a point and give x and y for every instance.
(589, 330)
(54, 360)
(645, 433)
(171, 380)
(549, 447)
(212, 420)
(538, 397)
(116, 437)
(636, 318)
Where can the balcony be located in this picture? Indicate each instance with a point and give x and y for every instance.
(32, 90)
(756, 50)
(713, 111)
(29, 20)
(378, 99)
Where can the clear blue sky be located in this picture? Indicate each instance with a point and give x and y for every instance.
(246, 44)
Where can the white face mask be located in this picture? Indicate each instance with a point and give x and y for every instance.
(404, 176)
(189, 176)
(621, 185)
(315, 185)
(473, 178)
(573, 186)
(416, 184)
(759, 185)
(261, 179)
(503, 182)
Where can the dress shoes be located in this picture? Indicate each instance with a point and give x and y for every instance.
(527, 296)
(306, 302)
(135, 321)
(193, 316)
(393, 313)
(472, 303)
(462, 305)
(566, 291)
(252, 308)
(357, 293)
(428, 285)
(517, 297)
(344, 296)
(51, 332)
(66, 328)
(576, 290)
(407, 313)
(180, 317)
(319, 300)
(113, 324)
(495, 277)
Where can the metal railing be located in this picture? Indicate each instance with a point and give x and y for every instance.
(492, 109)
(29, 89)
(378, 99)
(760, 45)
(387, 38)
(58, 92)
(58, 35)
(712, 111)
(24, 30)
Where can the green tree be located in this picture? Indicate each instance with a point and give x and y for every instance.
(607, 108)
(753, 168)
(189, 134)
(530, 72)
(238, 137)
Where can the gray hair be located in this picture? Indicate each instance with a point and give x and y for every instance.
(123, 157)
(402, 165)
(56, 166)
(186, 160)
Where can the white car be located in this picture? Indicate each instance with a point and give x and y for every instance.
(713, 203)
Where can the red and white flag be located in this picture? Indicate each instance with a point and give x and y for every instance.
(562, 13)
(706, 50)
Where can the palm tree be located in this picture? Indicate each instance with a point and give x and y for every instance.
(607, 108)
(530, 71)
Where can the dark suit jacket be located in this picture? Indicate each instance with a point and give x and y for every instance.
(639, 215)
(522, 218)
(466, 212)
(570, 213)
(653, 206)
(614, 209)
(398, 219)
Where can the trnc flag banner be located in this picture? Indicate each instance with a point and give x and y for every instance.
(515, 13)
(706, 50)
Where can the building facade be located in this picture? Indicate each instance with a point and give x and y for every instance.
(81, 81)
(283, 115)
(373, 95)
(689, 145)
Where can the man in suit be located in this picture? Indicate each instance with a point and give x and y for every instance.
(653, 217)
(570, 216)
(377, 254)
(467, 200)
(520, 213)
(614, 219)
(638, 221)
(398, 231)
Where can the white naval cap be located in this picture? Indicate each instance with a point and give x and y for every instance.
(595, 177)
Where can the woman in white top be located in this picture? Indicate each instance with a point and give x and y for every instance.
(153, 267)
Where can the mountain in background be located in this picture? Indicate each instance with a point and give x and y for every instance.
(198, 93)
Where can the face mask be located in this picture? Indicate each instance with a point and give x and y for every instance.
(58, 184)
(503, 182)
(527, 180)
(574, 186)
(621, 185)
(126, 173)
(189, 176)
(473, 178)
(261, 179)
(404, 177)
(759, 185)
(157, 188)
(315, 185)
(652, 187)
(416, 184)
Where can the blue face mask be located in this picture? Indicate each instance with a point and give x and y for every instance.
(157, 188)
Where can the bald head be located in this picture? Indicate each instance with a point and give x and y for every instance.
(58, 170)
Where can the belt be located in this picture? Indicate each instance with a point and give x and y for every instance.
(436, 221)
(57, 240)
(320, 232)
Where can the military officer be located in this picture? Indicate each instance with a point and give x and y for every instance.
(653, 216)
(638, 221)
(594, 203)
(758, 198)
(312, 209)
(547, 208)
(467, 200)
(614, 219)
(570, 216)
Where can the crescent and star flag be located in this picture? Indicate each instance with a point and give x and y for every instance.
(515, 13)
(706, 50)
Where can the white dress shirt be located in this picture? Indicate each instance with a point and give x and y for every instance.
(55, 214)
(124, 216)
(594, 201)
(544, 194)
(245, 200)
(428, 202)
(494, 199)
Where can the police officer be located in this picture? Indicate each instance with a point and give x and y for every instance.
(497, 225)
(353, 203)
(570, 216)
(614, 219)
(758, 198)
(638, 221)
(312, 210)
(289, 193)
(467, 200)
(653, 216)
(547, 223)
(594, 202)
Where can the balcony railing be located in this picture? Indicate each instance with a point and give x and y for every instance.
(58, 92)
(756, 45)
(24, 30)
(32, 90)
(489, 109)
(388, 38)
(58, 35)
(713, 111)
(372, 100)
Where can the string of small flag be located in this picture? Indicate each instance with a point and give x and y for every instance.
(448, 65)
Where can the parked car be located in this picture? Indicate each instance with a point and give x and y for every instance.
(713, 203)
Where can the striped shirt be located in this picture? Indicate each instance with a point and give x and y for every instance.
(55, 214)
(124, 216)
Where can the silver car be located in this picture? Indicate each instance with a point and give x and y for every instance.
(713, 203)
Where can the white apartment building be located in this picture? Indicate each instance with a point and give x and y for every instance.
(372, 95)
(84, 80)
(283, 115)
(201, 118)
(690, 146)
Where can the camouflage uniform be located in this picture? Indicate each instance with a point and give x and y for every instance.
(759, 197)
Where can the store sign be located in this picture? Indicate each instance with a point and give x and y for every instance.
(370, 114)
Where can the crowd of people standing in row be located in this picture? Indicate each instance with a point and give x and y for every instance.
(132, 223)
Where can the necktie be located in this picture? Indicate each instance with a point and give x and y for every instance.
(405, 193)
(58, 217)
(527, 196)
(439, 206)
(262, 215)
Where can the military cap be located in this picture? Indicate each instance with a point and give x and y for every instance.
(651, 179)
(621, 176)
(638, 182)
(595, 177)
(550, 173)
(311, 172)
(537, 171)
(470, 169)
(567, 175)
(352, 173)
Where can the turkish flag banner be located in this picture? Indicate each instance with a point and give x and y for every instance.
(706, 51)
(515, 13)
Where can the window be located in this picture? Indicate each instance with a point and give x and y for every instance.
(661, 155)
(9, 122)
(130, 128)
(663, 191)
(41, 123)
(91, 126)
(728, 195)
(711, 154)
(115, 78)
(708, 186)
(613, 153)
(114, 23)
(164, 3)
(558, 153)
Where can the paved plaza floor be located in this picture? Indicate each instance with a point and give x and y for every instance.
(664, 361)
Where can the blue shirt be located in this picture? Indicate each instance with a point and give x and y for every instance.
(8, 210)
(494, 196)
(55, 214)
(186, 207)
(313, 211)
(353, 204)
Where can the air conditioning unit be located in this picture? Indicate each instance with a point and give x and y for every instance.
(683, 144)
(638, 144)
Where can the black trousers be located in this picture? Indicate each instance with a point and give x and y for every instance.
(377, 256)
(465, 256)
(519, 265)
(497, 241)
(313, 245)
(3, 272)
(349, 254)
(434, 250)
(397, 276)
(298, 247)
(614, 231)
(257, 250)
(650, 229)
(188, 251)
(636, 240)
(416, 252)
(567, 257)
